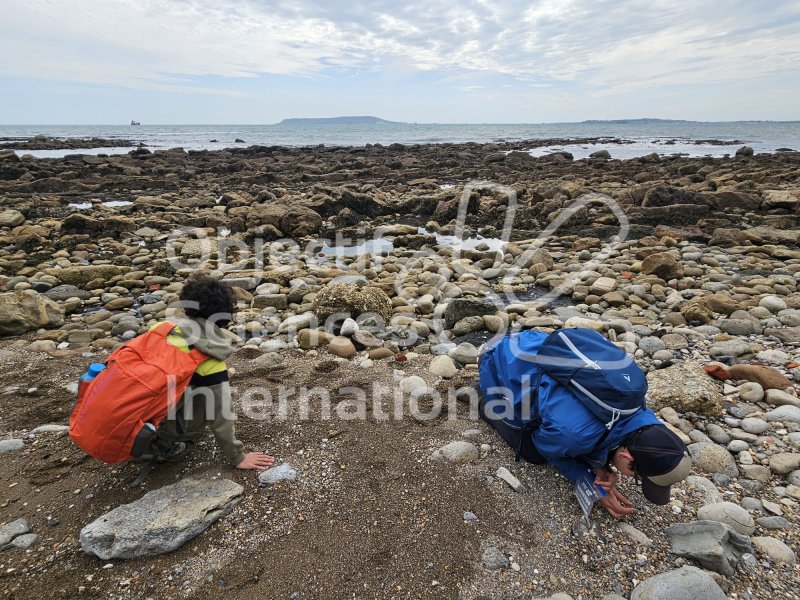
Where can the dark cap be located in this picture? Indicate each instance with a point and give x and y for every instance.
(660, 459)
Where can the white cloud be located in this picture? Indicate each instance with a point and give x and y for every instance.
(606, 47)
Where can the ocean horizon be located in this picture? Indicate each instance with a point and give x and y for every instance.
(623, 139)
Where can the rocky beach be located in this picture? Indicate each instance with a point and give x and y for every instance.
(387, 266)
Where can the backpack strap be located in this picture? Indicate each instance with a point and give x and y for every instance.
(166, 328)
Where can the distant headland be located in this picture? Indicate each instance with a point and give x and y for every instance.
(337, 121)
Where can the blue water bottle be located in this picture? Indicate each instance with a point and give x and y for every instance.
(92, 372)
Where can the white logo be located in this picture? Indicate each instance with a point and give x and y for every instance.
(627, 377)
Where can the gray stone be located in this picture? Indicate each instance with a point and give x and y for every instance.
(718, 434)
(709, 490)
(784, 463)
(753, 504)
(781, 398)
(651, 345)
(737, 446)
(775, 550)
(268, 360)
(759, 473)
(714, 545)
(635, 535)
(284, 472)
(788, 414)
(494, 560)
(12, 445)
(730, 514)
(711, 458)
(739, 326)
(162, 520)
(457, 452)
(794, 478)
(773, 304)
(278, 301)
(13, 529)
(754, 426)
(506, 475)
(23, 542)
(773, 522)
(686, 583)
(735, 347)
(465, 353)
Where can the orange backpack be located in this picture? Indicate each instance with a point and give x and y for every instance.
(142, 380)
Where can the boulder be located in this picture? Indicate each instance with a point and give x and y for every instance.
(713, 545)
(81, 275)
(686, 387)
(11, 218)
(779, 199)
(162, 520)
(662, 264)
(784, 463)
(686, 583)
(460, 308)
(443, 366)
(25, 310)
(351, 301)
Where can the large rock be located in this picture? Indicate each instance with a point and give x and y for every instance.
(24, 310)
(160, 521)
(81, 275)
(686, 583)
(351, 301)
(460, 308)
(662, 264)
(729, 513)
(300, 221)
(686, 387)
(779, 199)
(77, 223)
(713, 545)
(11, 218)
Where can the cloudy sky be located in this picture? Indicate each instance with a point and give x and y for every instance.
(481, 61)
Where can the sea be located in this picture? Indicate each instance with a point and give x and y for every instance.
(621, 139)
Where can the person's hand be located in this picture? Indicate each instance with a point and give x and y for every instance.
(606, 479)
(616, 504)
(256, 460)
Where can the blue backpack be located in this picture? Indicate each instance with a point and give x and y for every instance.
(586, 365)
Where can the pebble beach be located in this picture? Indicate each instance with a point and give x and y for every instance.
(389, 266)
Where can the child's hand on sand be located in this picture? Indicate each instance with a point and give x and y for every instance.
(257, 461)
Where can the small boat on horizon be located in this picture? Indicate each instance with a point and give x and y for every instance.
(135, 122)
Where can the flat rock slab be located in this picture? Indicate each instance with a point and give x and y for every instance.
(13, 529)
(714, 545)
(162, 520)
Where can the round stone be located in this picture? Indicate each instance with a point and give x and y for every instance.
(443, 366)
(729, 513)
(773, 304)
(755, 426)
(751, 392)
